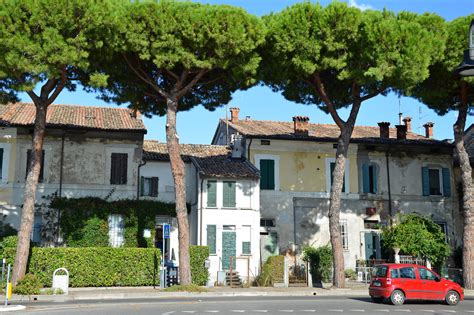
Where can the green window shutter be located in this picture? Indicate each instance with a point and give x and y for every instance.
(446, 183)
(246, 248)
(229, 194)
(365, 179)
(374, 172)
(154, 186)
(211, 238)
(211, 193)
(267, 174)
(425, 179)
(1, 162)
(142, 186)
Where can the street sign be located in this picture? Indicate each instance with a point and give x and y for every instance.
(166, 231)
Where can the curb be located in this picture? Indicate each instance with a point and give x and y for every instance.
(12, 308)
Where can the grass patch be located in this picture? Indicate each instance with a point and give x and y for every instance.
(186, 288)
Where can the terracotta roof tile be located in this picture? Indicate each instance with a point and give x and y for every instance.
(73, 116)
(213, 161)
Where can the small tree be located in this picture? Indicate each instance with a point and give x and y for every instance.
(444, 92)
(42, 45)
(418, 236)
(164, 57)
(337, 57)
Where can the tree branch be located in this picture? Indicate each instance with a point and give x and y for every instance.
(47, 88)
(355, 105)
(319, 86)
(35, 98)
(59, 87)
(196, 78)
(172, 74)
(146, 79)
(370, 95)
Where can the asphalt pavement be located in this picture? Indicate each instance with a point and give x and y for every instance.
(244, 305)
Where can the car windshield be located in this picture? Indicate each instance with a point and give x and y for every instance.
(379, 271)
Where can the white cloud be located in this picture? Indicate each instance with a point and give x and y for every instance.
(363, 7)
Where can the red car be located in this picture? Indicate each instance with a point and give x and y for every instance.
(400, 282)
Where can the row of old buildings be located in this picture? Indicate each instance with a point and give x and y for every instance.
(260, 188)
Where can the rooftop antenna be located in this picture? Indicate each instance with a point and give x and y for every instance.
(400, 114)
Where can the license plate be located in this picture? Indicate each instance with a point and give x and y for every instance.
(377, 284)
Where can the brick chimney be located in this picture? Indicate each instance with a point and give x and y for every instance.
(428, 130)
(401, 132)
(384, 129)
(234, 114)
(301, 125)
(407, 122)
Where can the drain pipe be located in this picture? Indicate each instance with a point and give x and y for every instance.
(200, 212)
(389, 188)
(143, 163)
(61, 164)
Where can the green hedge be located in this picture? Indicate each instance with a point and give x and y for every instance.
(320, 262)
(95, 266)
(273, 271)
(198, 255)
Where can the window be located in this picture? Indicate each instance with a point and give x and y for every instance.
(264, 142)
(425, 274)
(229, 195)
(211, 239)
(116, 230)
(436, 181)
(246, 240)
(28, 162)
(267, 222)
(407, 273)
(369, 179)
(344, 234)
(267, 174)
(379, 271)
(149, 186)
(211, 193)
(118, 169)
(332, 166)
(394, 274)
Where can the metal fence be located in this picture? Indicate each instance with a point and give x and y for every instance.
(405, 259)
(364, 274)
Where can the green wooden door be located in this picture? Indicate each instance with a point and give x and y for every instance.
(269, 245)
(228, 249)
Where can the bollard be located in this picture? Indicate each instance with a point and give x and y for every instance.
(8, 288)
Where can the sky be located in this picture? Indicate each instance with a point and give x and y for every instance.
(198, 125)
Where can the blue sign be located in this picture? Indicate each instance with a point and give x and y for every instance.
(166, 231)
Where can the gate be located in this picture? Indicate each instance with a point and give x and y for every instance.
(298, 274)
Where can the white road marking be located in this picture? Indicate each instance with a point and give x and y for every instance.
(260, 311)
(238, 311)
(402, 310)
(431, 311)
(336, 311)
(448, 311)
(168, 313)
(312, 311)
(357, 310)
(384, 310)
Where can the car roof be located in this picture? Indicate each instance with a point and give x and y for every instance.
(399, 265)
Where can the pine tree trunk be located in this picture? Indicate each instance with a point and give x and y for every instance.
(468, 198)
(178, 171)
(336, 189)
(28, 210)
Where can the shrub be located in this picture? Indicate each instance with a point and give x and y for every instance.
(29, 285)
(272, 271)
(8, 242)
(185, 288)
(320, 262)
(95, 266)
(350, 273)
(199, 273)
(94, 233)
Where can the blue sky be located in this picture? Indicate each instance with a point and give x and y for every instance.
(198, 125)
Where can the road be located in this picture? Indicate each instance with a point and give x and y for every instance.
(245, 305)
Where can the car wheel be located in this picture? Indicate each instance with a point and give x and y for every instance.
(452, 298)
(397, 297)
(377, 299)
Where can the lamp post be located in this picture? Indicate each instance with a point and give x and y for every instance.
(466, 69)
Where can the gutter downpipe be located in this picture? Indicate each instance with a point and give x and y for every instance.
(200, 212)
(61, 164)
(248, 149)
(389, 188)
(143, 163)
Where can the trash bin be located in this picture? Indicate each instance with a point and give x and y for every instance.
(61, 281)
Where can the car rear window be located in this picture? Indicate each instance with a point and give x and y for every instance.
(407, 273)
(379, 271)
(394, 274)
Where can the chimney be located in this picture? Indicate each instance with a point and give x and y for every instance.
(407, 122)
(401, 132)
(301, 125)
(384, 129)
(428, 130)
(234, 114)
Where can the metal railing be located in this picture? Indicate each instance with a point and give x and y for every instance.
(364, 274)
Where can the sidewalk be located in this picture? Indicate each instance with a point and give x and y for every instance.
(113, 293)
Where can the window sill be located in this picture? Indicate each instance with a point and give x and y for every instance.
(246, 255)
(230, 208)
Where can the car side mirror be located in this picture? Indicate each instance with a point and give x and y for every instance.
(438, 279)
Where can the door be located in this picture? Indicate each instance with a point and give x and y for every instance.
(410, 283)
(372, 246)
(432, 289)
(228, 247)
(268, 245)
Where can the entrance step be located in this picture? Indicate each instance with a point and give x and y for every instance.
(233, 279)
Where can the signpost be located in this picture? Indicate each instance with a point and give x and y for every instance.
(166, 235)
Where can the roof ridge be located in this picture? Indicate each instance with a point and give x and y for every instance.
(72, 105)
